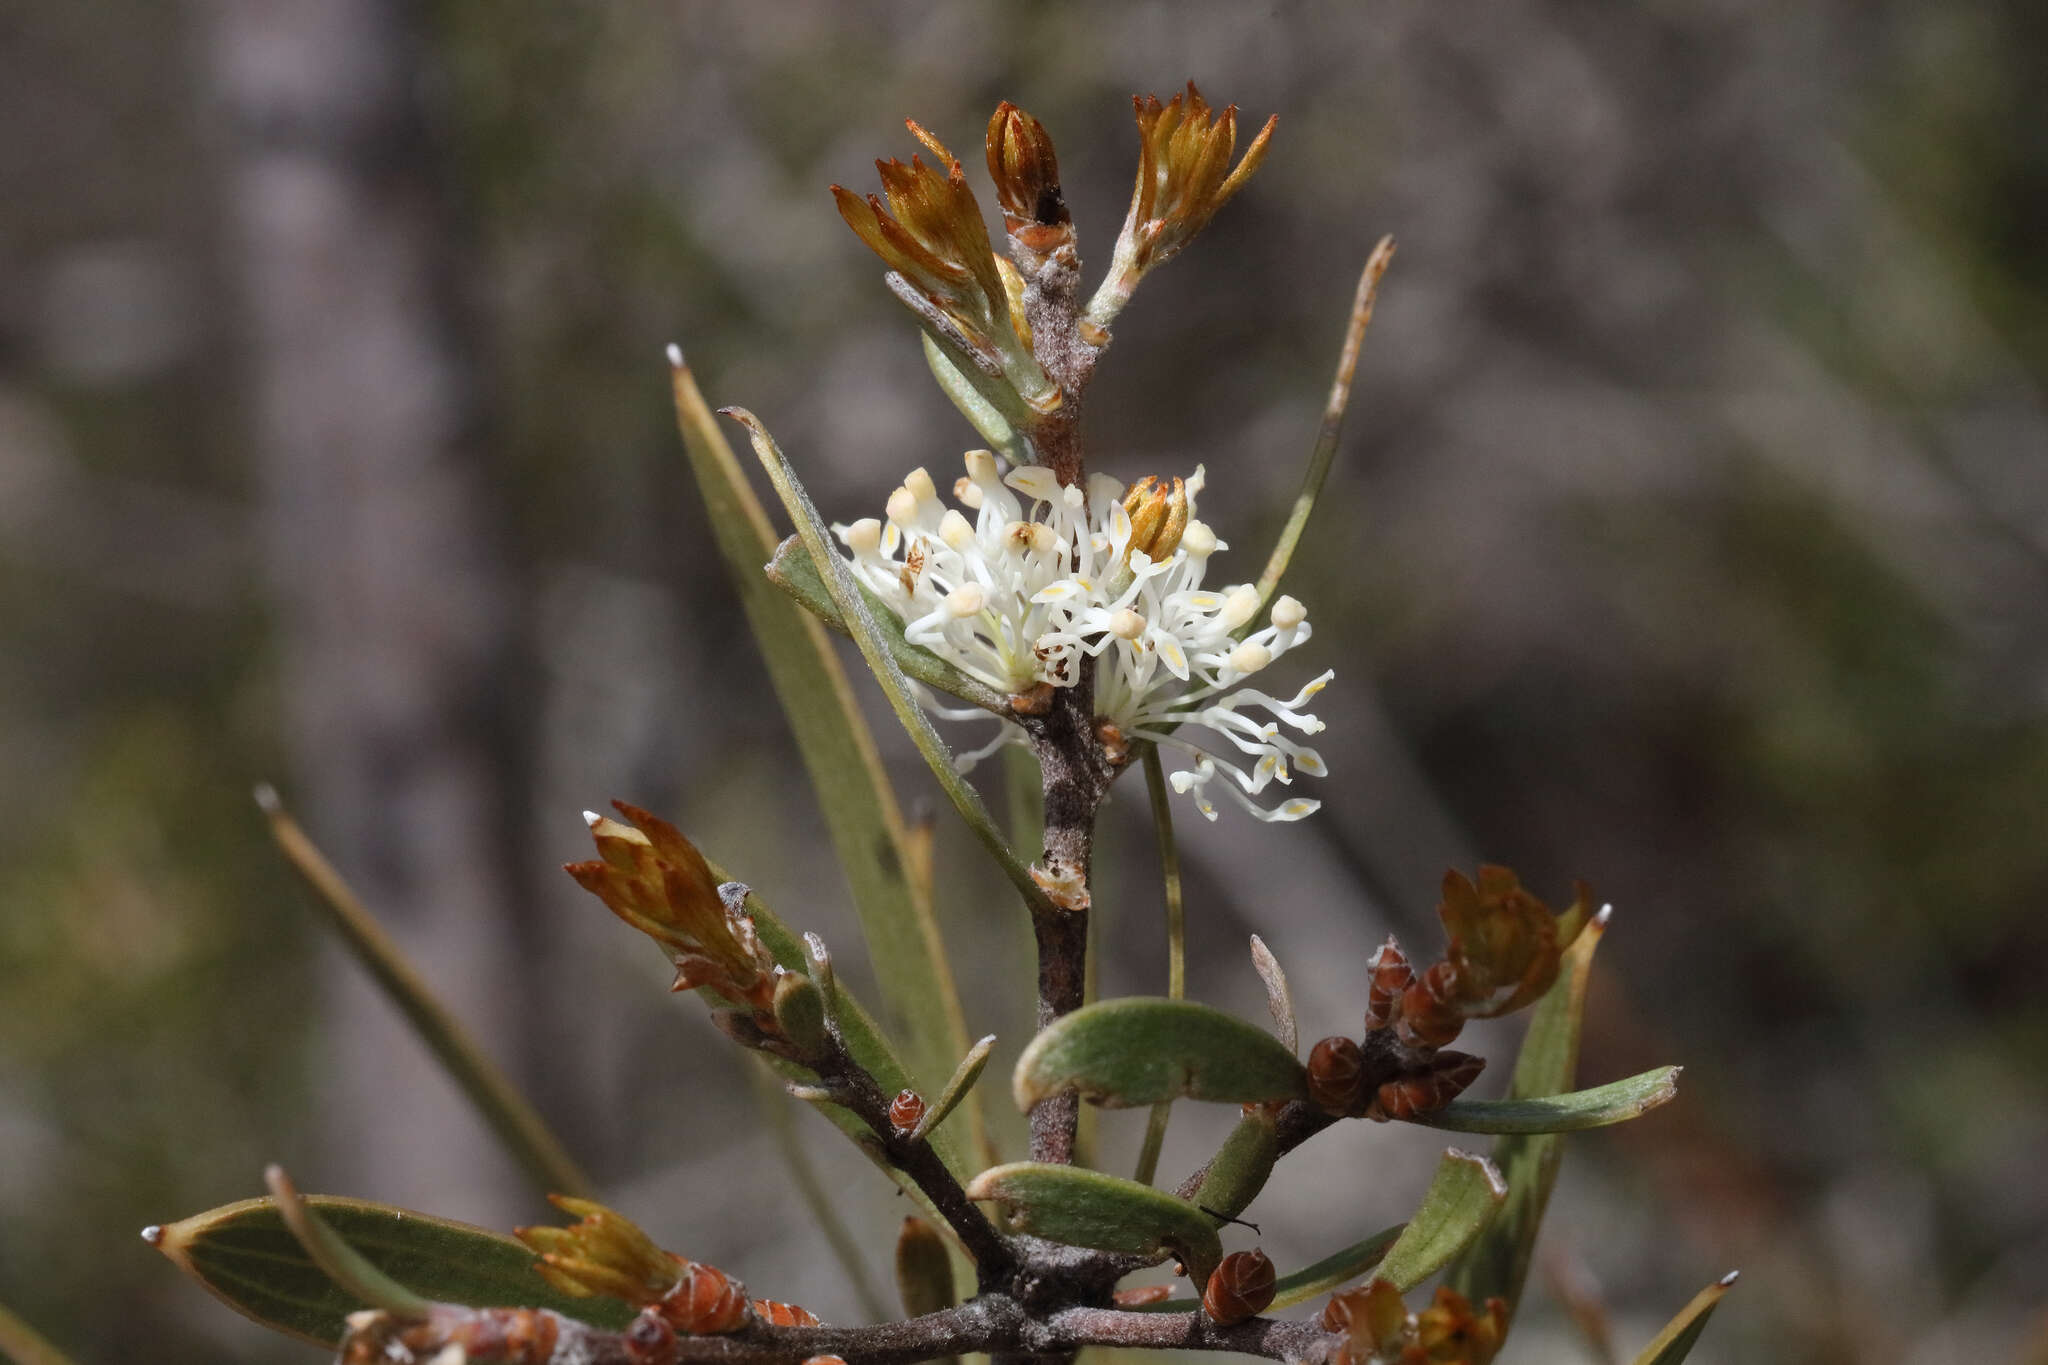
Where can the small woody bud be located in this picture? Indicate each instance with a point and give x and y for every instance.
(1336, 1077)
(1241, 1287)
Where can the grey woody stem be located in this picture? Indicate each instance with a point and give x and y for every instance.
(994, 1323)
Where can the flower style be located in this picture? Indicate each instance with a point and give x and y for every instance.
(1044, 575)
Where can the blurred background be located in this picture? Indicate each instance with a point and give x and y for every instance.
(1690, 535)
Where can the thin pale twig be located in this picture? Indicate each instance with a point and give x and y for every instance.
(1325, 450)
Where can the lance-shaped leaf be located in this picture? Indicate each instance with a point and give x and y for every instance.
(957, 1085)
(1145, 1049)
(959, 385)
(1464, 1197)
(1675, 1342)
(862, 815)
(1615, 1102)
(1086, 1208)
(1340, 1267)
(792, 571)
(867, 633)
(246, 1257)
(1498, 1263)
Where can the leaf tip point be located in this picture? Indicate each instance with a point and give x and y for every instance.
(154, 1235)
(267, 798)
(675, 357)
(1729, 1279)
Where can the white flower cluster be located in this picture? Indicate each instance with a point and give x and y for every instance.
(1042, 575)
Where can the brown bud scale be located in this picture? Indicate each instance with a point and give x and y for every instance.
(784, 1314)
(1240, 1287)
(1336, 1076)
(906, 1111)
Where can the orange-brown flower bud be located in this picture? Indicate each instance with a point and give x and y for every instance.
(1429, 1015)
(1027, 175)
(1505, 942)
(931, 235)
(1374, 1321)
(1159, 516)
(1449, 1331)
(1240, 1287)
(603, 1252)
(655, 880)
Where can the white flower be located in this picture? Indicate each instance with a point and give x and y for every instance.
(1044, 575)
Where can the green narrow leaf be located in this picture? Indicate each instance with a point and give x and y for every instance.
(792, 570)
(517, 1123)
(1145, 1049)
(862, 814)
(1176, 944)
(24, 1345)
(1465, 1196)
(983, 415)
(247, 1258)
(1325, 450)
(1615, 1102)
(1302, 1285)
(1497, 1264)
(351, 1271)
(1675, 1342)
(1103, 1212)
(895, 685)
(962, 1080)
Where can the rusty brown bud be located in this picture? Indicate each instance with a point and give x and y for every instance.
(905, 1111)
(1240, 1287)
(1388, 974)
(1425, 1092)
(784, 1314)
(1336, 1076)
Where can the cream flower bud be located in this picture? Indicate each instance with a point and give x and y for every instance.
(1250, 658)
(1240, 606)
(1127, 625)
(1198, 540)
(864, 537)
(981, 465)
(920, 485)
(958, 532)
(965, 601)
(902, 506)
(1288, 613)
(967, 493)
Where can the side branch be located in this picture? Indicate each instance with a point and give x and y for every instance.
(852, 1087)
